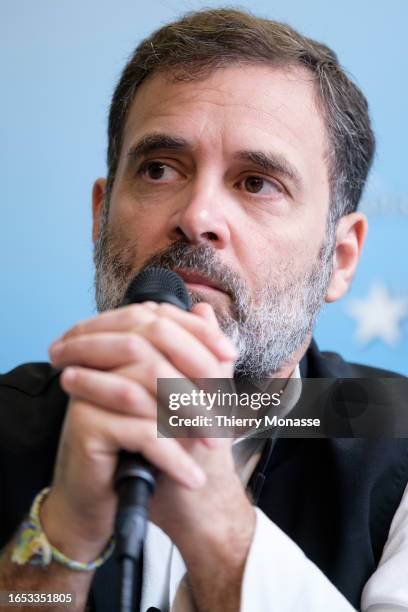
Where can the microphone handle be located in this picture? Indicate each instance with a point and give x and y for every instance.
(135, 480)
(135, 477)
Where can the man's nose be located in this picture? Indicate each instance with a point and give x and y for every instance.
(203, 219)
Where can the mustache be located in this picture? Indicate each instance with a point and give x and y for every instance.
(201, 259)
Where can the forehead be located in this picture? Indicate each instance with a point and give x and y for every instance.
(238, 107)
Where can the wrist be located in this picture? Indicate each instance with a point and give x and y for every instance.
(221, 544)
(216, 565)
(69, 533)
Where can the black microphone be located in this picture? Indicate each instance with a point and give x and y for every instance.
(135, 477)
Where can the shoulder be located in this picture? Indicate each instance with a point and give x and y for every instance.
(32, 411)
(360, 370)
(327, 364)
(32, 404)
(30, 379)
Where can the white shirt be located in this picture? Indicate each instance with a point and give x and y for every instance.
(278, 576)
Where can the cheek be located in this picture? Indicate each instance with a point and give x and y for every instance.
(133, 236)
(135, 217)
(148, 235)
(279, 253)
(272, 242)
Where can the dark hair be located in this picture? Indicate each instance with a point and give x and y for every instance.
(203, 41)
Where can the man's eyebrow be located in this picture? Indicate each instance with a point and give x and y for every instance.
(267, 162)
(272, 163)
(153, 142)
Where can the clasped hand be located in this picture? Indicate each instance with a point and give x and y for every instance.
(111, 364)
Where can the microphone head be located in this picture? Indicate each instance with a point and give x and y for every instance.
(158, 285)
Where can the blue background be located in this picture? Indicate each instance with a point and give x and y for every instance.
(59, 62)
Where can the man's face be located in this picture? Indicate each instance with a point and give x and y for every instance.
(226, 181)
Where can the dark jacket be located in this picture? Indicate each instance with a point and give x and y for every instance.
(334, 497)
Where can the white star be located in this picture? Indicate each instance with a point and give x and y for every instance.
(378, 316)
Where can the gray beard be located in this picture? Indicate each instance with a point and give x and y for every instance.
(268, 328)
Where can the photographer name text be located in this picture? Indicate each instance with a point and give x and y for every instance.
(244, 422)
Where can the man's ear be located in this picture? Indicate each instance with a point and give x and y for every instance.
(98, 193)
(350, 236)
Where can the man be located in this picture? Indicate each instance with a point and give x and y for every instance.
(238, 151)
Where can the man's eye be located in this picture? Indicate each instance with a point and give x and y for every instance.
(155, 171)
(260, 185)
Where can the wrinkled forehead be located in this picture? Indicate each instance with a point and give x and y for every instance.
(238, 108)
(259, 93)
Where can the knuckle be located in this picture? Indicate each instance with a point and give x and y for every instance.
(128, 395)
(167, 309)
(88, 430)
(87, 445)
(159, 327)
(151, 370)
(131, 346)
(132, 315)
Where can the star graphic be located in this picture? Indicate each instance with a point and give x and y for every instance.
(379, 315)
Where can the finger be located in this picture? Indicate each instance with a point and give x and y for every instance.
(120, 392)
(110, 391)
(129, 355)
(168, 456)
(187, 353)
(102, 350)
(135, 316)
(210, 335)
(206, 311)
(120, 319)
(138, 435)
(162, 336)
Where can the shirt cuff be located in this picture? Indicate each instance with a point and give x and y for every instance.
(279, 577)
(183, 601)
(387, 589)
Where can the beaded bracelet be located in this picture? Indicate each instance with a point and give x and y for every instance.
(33, 547)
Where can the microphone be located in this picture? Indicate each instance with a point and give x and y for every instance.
(135, 477)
